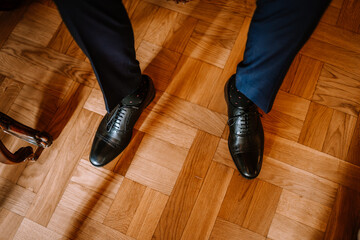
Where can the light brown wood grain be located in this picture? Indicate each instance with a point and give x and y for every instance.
(38, 24)
(208, 203)
(205, 84)
(34, 75)
(50, 60)
(189, 114)
(147, 215)
(8, 21)
(171, 192)
(291, 105)
(168, 129)
(316, 126)
(298, 181)
(334, 55)
(31, 230)
(325, 166)
(303, 210)
(100, 180)
(290, 75)
(15, 198)
(162, 153)
(95, 102)
(124, 207)
(180, 32)
(285, 228)
(210, 44)
(141, 19)
(80, 227)
(337, 36)
(306, 77)
(160, 26)
(262, 208)
(237, 199)
(152, 174)
(60, 127)
(224, 230)
(282, 125)
(183, 77)
(92, 204)
(228, 17)
(339, 134)
(61, 40)
(9, 223)
(338, 89)
(157, 164)
(187, 187)
(49, 194)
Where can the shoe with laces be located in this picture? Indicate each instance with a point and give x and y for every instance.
(246, 137)
(115, 130)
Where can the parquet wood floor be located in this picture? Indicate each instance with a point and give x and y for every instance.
(176, 180)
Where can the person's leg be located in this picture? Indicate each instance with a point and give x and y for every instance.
(278, 30)
(103, 31)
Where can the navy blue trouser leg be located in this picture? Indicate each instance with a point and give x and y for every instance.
(278, 30)
(103, 31)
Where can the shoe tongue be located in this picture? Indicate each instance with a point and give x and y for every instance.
(137, 97)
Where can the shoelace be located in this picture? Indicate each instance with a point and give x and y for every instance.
(244, 120)
(116, 119)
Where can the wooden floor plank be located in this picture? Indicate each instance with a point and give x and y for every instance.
(31, 230)
(344, 222)
(147, 215)
(224, 230)
(262, 208)
(38, 24)
(334, 55)
(80, 227)
(208, 203)
(303, 210)
(349, 16)
(237, 199)
(354, 150)
(285, 228)
(338, 89)
(306, 77)
(124, 207)
(176, 179)
(339, 134)
(60, 127)
(9, 223)
(15, 198)
(50, 193)
(316, 126)
(181, 201)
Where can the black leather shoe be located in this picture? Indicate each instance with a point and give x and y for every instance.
(246, 138)
(115, 130)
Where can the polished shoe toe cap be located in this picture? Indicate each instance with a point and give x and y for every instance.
(248, 163)
(103, 152)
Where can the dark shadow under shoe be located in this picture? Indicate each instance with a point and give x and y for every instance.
(246, 137)
(115, 130)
